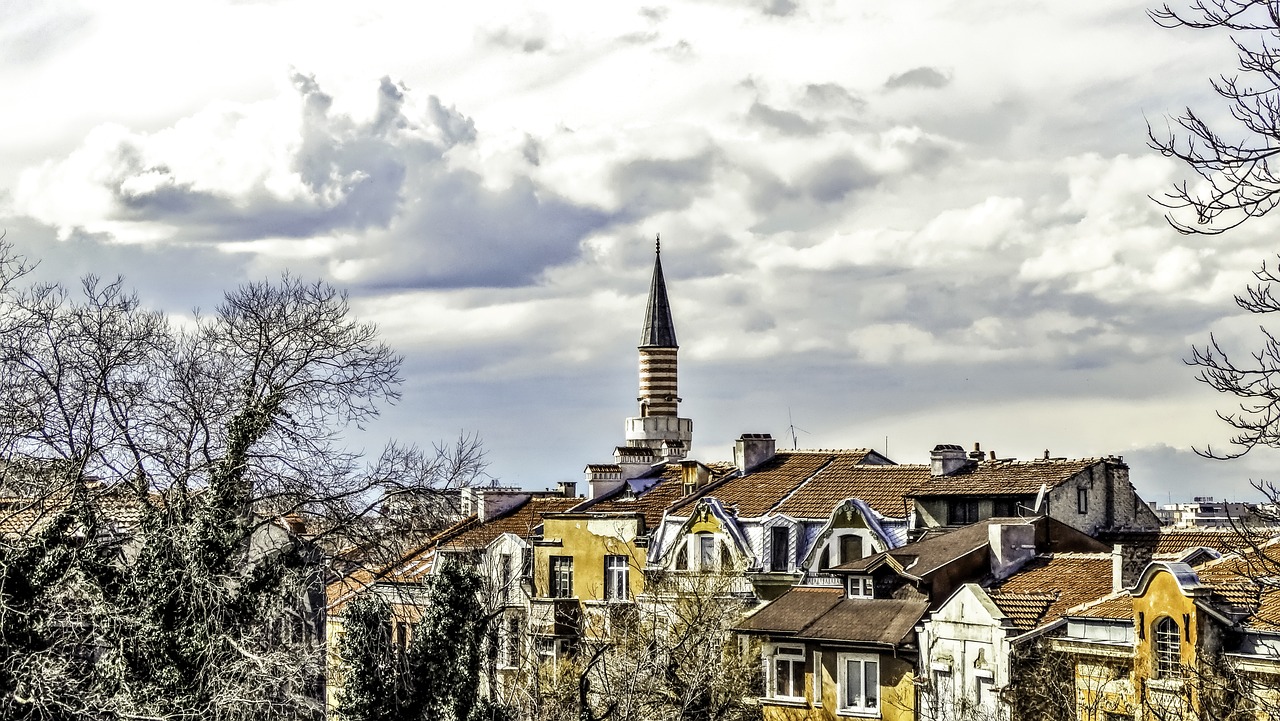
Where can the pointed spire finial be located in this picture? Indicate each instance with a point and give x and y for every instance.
(657, 242)
(658, 331)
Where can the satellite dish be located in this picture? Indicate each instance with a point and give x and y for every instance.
(1040, 498)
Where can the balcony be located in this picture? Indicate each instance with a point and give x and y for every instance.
(555, 617)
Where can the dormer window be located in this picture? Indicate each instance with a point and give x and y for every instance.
(861, 587)
(779, 548)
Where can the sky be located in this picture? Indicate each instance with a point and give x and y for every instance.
(884, 225)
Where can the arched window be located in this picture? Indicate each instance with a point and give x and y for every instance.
(1168, 644)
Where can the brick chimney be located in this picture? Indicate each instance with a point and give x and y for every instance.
(568, 489)
(946, 459)
(752, 449)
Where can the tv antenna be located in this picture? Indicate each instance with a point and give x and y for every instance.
(791, 427)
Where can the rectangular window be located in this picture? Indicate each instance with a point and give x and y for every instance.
(706, 553)
(513, 642)
(526, 563)
(616, 578)
(1082, 500)
(786, 673)
(859, 683)
(779, 549)
(1004, 508)
(861, 587)
(962, 512)
(682, 556)
(504, 562)
(817, 678)
(850, 548)
(562, 576)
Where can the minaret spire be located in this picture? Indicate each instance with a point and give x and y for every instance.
(658, 425)
(659, 331)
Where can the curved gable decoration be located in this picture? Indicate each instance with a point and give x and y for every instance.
(1186, 578)
(707, 513)
(873, 521)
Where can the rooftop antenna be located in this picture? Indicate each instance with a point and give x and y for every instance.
(795, 442)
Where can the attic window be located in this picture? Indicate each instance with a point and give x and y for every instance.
(1082, 500)
(861, 587)
(779, 545)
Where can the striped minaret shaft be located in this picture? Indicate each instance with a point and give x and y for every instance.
(658, 396)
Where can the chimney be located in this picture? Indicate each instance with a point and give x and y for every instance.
(602, 478)
(1012, 544)
(976, 453)
(568, 489)
(1128, 560)
(752, 449)
(947, 459)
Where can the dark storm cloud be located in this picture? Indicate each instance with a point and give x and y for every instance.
(422, 221)
(780, 8)
(648, 186)
(922, 77)
(833, 95)
(832, 181)
(175, 278)
(455, 233)
(784, 121)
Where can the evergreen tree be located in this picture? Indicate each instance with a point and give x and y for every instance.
(370, 683)
(448, 645)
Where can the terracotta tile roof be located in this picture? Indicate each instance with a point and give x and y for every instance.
(521, 521)
(1177, 540)
(881, 621)
(755, 493)
(1005, 477)
(1069, 579)
(657, 492)
(884, 488)
(824, 614)
(1117, 606)
(1026, 610)
(792, 611)
(924, 557)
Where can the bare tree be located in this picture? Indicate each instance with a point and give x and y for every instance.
(1237, 180)
(175, 495)
(670, 657)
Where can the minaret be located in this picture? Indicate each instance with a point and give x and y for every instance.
(658, 426)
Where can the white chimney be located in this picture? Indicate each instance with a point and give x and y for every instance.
(752, 449)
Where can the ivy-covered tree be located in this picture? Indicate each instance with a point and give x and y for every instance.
(174, 496)
(448, 649)
(371, 682)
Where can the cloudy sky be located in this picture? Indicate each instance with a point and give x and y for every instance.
(901, 223)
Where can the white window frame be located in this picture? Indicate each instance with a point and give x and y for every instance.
(617, 578)
(1166, 651)
(861, 707)
(774, 561)
(792, 656)
(861, 587)
(707, 559)
(817, 679)
(560, 572)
